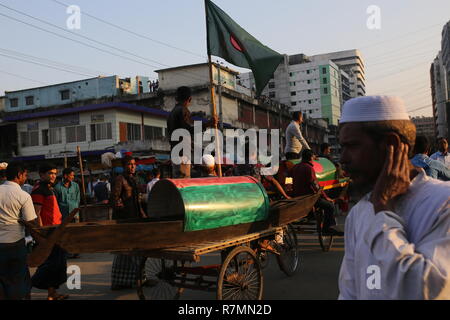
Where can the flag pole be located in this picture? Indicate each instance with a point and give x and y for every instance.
(212, 94)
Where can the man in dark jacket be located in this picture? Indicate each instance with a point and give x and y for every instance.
(126, 205)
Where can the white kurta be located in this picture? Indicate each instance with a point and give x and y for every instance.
(401, 255)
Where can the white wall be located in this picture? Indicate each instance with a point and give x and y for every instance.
(85, 119)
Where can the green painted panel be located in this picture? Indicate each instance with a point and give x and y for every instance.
(216, 206)
(325, 169)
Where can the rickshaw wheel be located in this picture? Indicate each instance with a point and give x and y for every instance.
(288, 260)
(155, 280)
(325, 240)
(240, 276)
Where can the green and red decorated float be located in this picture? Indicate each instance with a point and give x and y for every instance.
(185, 212)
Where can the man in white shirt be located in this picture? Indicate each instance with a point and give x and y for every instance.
(294, 138)
(442, 155)
(397, 239)
(15, 205)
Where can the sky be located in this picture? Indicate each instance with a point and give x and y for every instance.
(171, 33)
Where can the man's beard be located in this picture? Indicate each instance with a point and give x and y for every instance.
(358, 189)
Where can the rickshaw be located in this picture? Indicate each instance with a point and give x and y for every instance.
(331, 181)
(188, 219)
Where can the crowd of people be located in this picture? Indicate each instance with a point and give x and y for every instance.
(402, 222)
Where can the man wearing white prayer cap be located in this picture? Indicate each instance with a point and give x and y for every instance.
(397, 238)
(209, 165)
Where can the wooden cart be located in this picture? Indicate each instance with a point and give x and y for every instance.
(191, 218)
(164, 274)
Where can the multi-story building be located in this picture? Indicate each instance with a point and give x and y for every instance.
(96, 114)
(114, 116)
(445, 47)
(316, 87)
(352, 63)
(425, 127)
(440, 86)
(71, 92)
(111, 114)
(439, 83)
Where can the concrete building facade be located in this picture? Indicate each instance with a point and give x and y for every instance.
(440, 86)
(425, 127)
(352, 62)
(315, 87)
(113, 114)
(439, 83)
(68, 93)
(445, 47)
(95, 128)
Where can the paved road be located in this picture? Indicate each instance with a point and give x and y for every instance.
(316, 279)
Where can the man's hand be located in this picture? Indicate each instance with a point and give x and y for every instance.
(394, 179)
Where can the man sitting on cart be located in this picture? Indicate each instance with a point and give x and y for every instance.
(306, 183)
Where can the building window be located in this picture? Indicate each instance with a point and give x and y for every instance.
(325, 81)
(54, 136)
(293, 104)
(29, 139)
(29, 101)
(133, 132)
(309, 81)
(324, 70)
(65, 94)
(272, 85)
(325, 90)
(75, 134)
(152, 133)
(309, 101)
(45, 137)
(14, 103)
(308, 71)
(272, 95)
(101, 131)
(291, 74)
(309, 91)
(293, 93)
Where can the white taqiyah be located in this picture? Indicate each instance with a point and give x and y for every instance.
(374, 108)
(208, 160)
(3, 166)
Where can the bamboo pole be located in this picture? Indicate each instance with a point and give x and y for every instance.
(213, 96)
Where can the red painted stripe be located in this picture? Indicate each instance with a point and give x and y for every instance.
(184, 183)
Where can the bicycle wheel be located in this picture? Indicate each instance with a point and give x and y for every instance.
(325, 240)
(289, 258)
(240, 276)
(155, 280)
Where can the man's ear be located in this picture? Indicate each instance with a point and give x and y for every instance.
(393, 139)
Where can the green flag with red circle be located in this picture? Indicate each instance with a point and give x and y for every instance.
(228, 40)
